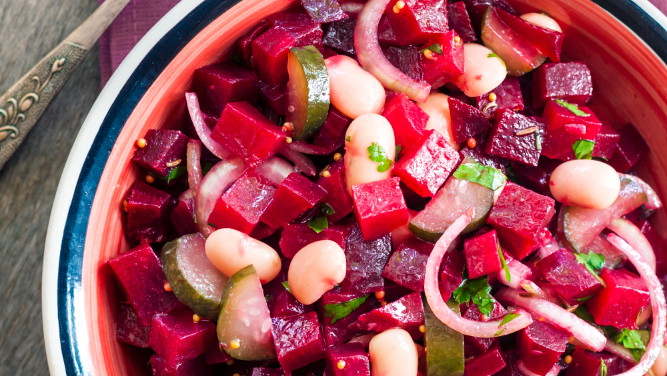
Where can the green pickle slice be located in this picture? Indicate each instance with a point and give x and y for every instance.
(444, 355)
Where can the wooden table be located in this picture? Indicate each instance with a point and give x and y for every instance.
(29, 29)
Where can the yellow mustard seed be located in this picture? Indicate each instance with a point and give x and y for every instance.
(235, 344)
(167, 287)
(150, 179)
(493, 97)
(340, 364)
(141, 143)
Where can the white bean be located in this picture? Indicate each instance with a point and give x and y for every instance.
(230, 250)
(353, 91)
(542, 20)
(437, 108)
(369, 130)
(316, 269)
(660, 366)
(483, 70)
(586, 183)
(393, 353)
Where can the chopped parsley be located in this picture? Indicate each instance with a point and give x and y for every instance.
(492, 55)
(583, 149)
(348, 139)
(318, 224)
(173, 174)
(592, 261)
(378, 155)
(603, 368)
(572, 107)
(327, 209)
(477, 290)
(476, 172)
(631, 340)
(436, 47)
(503, 262)
(508, 317)
(286, 286)
(339, 311)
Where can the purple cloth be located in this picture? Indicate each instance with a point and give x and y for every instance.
(140, 16)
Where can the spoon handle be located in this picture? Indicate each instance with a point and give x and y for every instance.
(25, 102)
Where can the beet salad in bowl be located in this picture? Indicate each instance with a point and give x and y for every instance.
(389, 187)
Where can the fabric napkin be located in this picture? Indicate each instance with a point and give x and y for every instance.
(140, 15)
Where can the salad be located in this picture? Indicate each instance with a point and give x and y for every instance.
(393, 188)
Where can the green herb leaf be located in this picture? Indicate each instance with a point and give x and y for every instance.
(592, 261)
(603, 368)
(327, 209)
(498, 333)
(572, 107)
(583, 149)
(582, 313)
(632, 340)
(503, 262)
(492, 55)
(399, 148)
(478, 173)
(339, 311)
(318, 224)
(508, 317)
(378, 155)
(348, 139)
(286, 286)
(477, 290)
(436, 47)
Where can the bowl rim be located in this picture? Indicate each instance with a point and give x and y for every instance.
(648, 23)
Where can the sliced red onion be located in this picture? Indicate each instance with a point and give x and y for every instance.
(275, 169)
(555, 370)
(634, 236)
(203, 131)
(653, 201)
(372, 58)
(657, 305)
(450, 318)
(212, 186)
(302, 163)
(188, 194)
(306, 148)
(518, 272)
(548, 249)
(352, 7)
(620, 351)
(194, 164)
(555, 314)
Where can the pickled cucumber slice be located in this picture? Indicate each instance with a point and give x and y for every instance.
(445, 345)
(192, 277)
(307, 91)
(244, 324)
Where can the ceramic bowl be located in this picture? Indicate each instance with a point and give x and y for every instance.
(624, 42)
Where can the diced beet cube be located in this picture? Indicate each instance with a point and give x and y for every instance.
(163, 146)
(379, 207)
(467, 121)
(585, 363)
(606, 142)
(621, 301)
(190, 367)
(365, 260)
(264, 371)
(570, 279)
(482, 254)
(473, 313)
(406, 313)
(426, 166)
(176, 337)
(459, 21)
(243, 204)
(183, 217)
(296, 236)
(407, 120)
(485, 365)
(406, 266)
(147, 209)
(245, 132)
(445, 66)
(476, 8)
(522, 213)
(294, 196)
(298, 340)
(129, 328)
(537, 177)
(323, 11)
(540, 346)
(283, 303)
(274, 96)
(508, 97)
(451, 273)
(139, 273)
(631, 148)
(480, 155)
(352, 357)
(341, 330)
(244, 44)
(406, 59)
(337, 196)
(218, 84)
(548, 42)
(569, 81)
(418, 20)
(559, 117)
(507, 139)
(215, 354)
(331, 135)
(386, 34)
(339, 36)
(474, 346)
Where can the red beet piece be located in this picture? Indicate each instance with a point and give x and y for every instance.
(418, 20)
(298, 340)
(478, 154)
(244, 44)
(379, 207)
(476, 8)
(406, 266)
(537, 177)
(183, 217)
(147, 210)
(548, 42)
(522, 213)
(569, 278)
(444, 67)
(339, 36)
(365, 260)
(569, 81)
(619, 303)
(190, 367)
(508, 97)
(478, 345)
(129, 328)
(323, 11)
(245, 132)
(540, 346)
(481, 254)
(218, 84)
(426, 166)
(139, 273)
(354, 356)
(467, 121)
(631, 148)
(296, 236)
(406, 313)
(243, 204)
(585, 363)
(386, 34)
(215, 354)
(264, 371)
(274, 96)
(294, 196)
(485, 365)
(451, 273)
(507, 141)
(176, 337)
(406, 59)
(459, 21)
(606, 142)
(341, 330)
(282, 303)
(337, 196)
(564, 128)
(331, 135)
(407, 120)
(162, 147)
